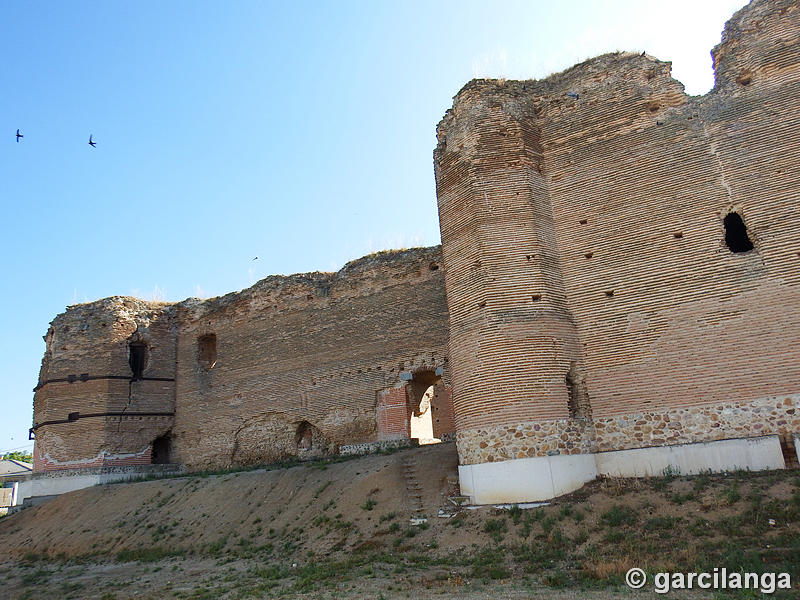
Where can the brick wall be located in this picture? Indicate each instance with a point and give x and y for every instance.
(290, 367)
(585, 234)
(91, 340)
(592, 301)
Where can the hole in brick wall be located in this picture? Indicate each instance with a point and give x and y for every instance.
(434, 267)
(678, 235)
(207, 350)
(536, 297)
(744, 79)
(528, 256)
(653, 106)
(577, 396)
(589, 254)
(304, 437)
(137, 358)
(609, 293)
(736, 238)
(161, 452)
(583, 221)
(482, 304)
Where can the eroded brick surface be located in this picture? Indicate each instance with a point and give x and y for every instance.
(582, 222)
(290, 367)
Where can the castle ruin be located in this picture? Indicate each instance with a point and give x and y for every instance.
(616, 293)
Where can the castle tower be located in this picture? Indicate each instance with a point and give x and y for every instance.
(106, 390)
(521, 411)
(621, 267)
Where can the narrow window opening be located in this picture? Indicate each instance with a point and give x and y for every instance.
(207, 350)
(736, 238)
(137, 358)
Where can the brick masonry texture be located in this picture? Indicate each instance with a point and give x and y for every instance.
(296, 367)
(584, 237)
(590, 297)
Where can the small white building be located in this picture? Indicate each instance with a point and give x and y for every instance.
(12, 473)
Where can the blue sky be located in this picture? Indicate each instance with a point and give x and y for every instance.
(301, 133)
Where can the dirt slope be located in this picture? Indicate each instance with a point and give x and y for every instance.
(343, 530)
(341, 502)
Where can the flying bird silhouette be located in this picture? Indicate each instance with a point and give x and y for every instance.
(256, 258)
(19, 135)
(91, 143)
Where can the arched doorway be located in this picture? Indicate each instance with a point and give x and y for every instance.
(430, 409)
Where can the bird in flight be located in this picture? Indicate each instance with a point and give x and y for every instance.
(19, 135)
(256, 258)
(91, 143)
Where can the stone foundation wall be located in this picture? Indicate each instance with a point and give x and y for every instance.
(774, 415)
(525, 440)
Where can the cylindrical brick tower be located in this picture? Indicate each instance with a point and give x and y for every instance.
(521, 411)
(105, 396)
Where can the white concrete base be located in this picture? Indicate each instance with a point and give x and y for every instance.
(750, 454)
(55, 483)
(526, 479)
(545, 477)
(797, 444)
